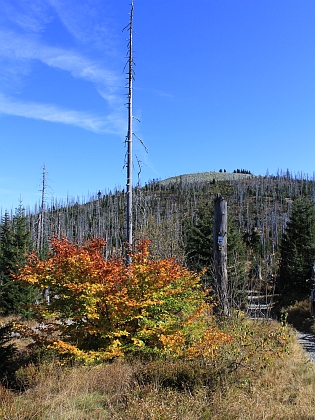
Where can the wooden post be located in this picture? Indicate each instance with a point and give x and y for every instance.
(220, 251)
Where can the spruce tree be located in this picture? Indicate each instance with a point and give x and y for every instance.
(298, 250)
(14, 244)
(198, 241)
(237, 278)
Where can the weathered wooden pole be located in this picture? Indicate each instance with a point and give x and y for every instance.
(220, 251)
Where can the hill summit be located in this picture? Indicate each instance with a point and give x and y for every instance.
(206, 177)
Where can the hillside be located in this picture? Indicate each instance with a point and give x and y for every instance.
(258, 208)
(160, 208)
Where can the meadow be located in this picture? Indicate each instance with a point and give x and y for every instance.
(262, 374)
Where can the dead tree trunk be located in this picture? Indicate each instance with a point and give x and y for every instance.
(220, 251)
(41, 218)
(129, 138)
(41, 230)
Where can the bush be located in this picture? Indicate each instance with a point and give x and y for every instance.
(101, 309)
(298, 315)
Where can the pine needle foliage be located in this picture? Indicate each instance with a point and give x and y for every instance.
(14, 244)
(298, 249)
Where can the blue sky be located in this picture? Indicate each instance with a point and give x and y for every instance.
(218, 85)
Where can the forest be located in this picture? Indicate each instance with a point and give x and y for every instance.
(176, 216)
(67, 293)
(170, 212)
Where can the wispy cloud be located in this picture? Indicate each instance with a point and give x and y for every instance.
(21, 50)
(111, 124)
(22, 44)
(29, 15)
(87, 21)
(156, 92)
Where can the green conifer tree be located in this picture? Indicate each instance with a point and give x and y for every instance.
(14, 244)
(298, 250)
(236, 266)
(198, 241)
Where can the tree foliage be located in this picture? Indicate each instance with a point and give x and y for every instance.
(298, 248)
(198, 240)
(102, 309)
(14, 244)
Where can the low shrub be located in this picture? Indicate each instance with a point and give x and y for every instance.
(298, 315)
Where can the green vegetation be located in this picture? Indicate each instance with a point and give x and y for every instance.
(14, 244)
(297, 252)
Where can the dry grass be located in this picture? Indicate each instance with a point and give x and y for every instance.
(140, 391)
(69, 393)
(284, 391)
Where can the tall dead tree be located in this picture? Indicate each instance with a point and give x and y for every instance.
(42, 228)
(129, 137)
(130, 133)
(41, 218)
(220, 251)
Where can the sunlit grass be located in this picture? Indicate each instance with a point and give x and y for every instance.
(247, 384)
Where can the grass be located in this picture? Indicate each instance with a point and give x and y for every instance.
(247, 382)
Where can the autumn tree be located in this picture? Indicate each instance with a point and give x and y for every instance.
(101, 309)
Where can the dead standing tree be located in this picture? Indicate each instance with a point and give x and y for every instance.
(41, 217)
(220, 251)
(41, 233)
(129, 135)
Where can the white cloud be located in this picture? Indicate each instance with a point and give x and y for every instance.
(23, 42)
(113, 123)
(29, 15)
(21, 49)
(87, 21)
